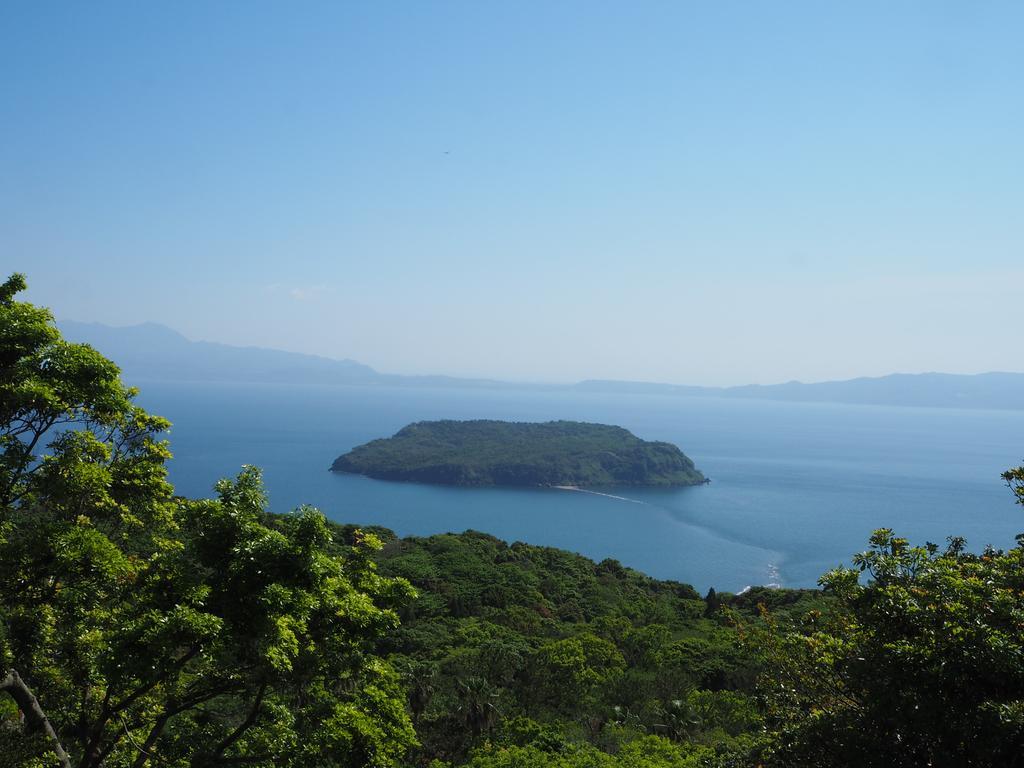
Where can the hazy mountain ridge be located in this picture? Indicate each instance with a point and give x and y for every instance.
(999, 390)
(153, 351)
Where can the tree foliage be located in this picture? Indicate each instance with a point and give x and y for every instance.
(521, 653)
(159, 630)
(923, 664)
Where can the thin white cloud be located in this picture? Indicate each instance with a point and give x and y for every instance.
(297, 292)
(307, 293)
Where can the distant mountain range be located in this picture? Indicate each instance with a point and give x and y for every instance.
(935, 390)
(151, 351)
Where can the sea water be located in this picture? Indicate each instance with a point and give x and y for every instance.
(796, 488)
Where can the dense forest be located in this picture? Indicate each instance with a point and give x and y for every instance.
(484, 452)
(520, 649)
(140, 628)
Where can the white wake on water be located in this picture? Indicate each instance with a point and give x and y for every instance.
(598, 493)
(774, 579)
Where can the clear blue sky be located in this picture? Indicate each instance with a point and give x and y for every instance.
(695, 192)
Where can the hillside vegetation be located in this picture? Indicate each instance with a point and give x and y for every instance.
(545, 652)
(482, 453)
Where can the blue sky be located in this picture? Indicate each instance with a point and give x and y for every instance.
(713, 193)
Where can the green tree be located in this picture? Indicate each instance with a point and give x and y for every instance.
(567, 671)
(138, 628)
(924, 664)
(644, 752)
(1015, 480)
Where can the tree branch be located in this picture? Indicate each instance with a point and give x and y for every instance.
(245, 725)
(92, 752)
(171, 711)
(138, 693)
(35, 717)
(154, 734)
(26, 457)
(243, 759)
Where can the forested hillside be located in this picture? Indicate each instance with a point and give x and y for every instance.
(538, 649)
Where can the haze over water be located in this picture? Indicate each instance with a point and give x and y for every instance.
(796, 488)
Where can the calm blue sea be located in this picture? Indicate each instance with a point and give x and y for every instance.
(796, 488)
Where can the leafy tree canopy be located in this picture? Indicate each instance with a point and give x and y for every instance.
(137, 628)
(922, 665)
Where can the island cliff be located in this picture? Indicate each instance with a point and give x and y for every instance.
(501, 453)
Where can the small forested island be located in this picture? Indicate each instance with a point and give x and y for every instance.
(502, 453)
